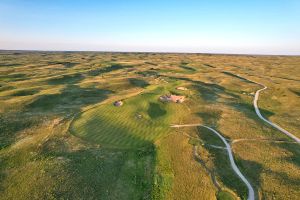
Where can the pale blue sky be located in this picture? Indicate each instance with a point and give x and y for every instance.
(215, 26)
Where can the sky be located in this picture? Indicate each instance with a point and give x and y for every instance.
(196, 26)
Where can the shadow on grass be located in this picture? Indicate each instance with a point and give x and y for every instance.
(14, 77)
(102, 70)
(102, 173)
(138, 82)
(222, 167)
(148, 73)
(295, 150)
(66, 79)
(6, 87)
(10, 65)
(65, 64)
(249, 111)
(12, 123)
(252, 171)
(208, 65)
(71, 99)
(296, 92)
(238, 77)
(25, 92)
(208, 91)
(155, 110)
(188, 68)
(210, 117)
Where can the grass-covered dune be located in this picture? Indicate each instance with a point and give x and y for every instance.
(61, 137)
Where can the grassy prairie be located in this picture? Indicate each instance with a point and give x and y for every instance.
(62, 138)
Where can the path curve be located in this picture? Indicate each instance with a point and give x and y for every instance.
(231, 159)
(260, 115)
(267, 121)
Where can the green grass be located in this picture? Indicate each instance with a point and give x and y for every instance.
(139, 122)
(224, 195)
(130, 152)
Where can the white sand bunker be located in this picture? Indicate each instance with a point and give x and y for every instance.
(181, 88)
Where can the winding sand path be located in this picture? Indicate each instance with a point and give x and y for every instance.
(231, 159)
(260, 115)
(267, 121)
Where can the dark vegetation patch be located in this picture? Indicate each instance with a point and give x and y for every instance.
(138, 82)
(252, 170)
(65, 64)
(102, 173)
(210, 117)
(113, 67)
(151, 63)
(13, 77)
(209, 137)
(148, 73)
(295, 91)
(235, 76)
(6, 87)
(208, 91)
(25, 92)
(208, 65)
(188, 68)
(71, 98)
(155, 110)
(294, 157)
(222, 167)
(249, 111)
(10, 64)
(286, 78)
(66, 79)
(11, 124)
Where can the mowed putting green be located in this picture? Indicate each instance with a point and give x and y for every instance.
(139, 122)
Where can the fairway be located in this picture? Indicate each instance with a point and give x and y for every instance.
(138, 123)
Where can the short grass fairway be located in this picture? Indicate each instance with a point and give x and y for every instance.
(138, 123)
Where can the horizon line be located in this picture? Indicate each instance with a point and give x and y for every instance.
(159, 52)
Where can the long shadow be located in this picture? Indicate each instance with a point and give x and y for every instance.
(285, 178)
(148, 73)
(65, 64)
(211, 117)
(208, 91)
(6, 87)
(102, 70)
(12, 123)
(71, 99)
(103, 173)
(138, 82)
(14, 77)
(208, 65)
(249, 111)
(223, 169)
(66, 79)
(69, 102)
(25, 92)
(10, 65)
(252, 171)
(225, 173)
(188, 68)
(238, 77)
(294, 149)
(296, 92)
